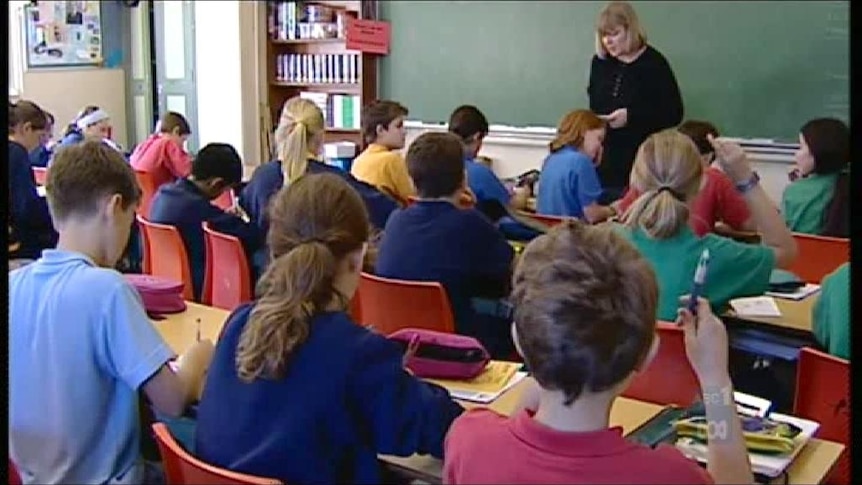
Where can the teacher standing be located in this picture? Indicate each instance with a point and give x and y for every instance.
(632, 87)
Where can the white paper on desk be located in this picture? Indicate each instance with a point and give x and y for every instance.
(41, 191)
(800, 294)
(486, 397)
(758, 306)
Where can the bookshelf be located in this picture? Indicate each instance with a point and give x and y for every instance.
(306, 55)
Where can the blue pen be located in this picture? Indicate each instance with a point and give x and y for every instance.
(699, 281)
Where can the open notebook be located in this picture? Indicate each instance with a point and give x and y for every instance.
(498, 377)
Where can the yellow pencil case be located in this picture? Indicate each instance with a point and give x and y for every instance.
(771, 438)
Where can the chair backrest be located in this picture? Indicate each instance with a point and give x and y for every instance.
(669, 378)
(182, 468)
(389, 305)
(165, 255)
(545, 219)
(823, 395)
(14, 477)
(148, 191)
(818, 256)
(40, 174)
(227, 280)
(224, 201)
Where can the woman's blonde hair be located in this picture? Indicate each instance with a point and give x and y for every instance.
(573, 127)
(619, 15)
(300, 121)
(667, 173)
(314, 224)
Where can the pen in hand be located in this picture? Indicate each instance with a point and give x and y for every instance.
(198, 322)
(412, 347)
(698, 282)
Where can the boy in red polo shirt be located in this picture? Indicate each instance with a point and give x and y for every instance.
(718, 200)
(585, 303)
(162, 154)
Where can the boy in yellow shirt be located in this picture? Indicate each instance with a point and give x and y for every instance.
(380, 164)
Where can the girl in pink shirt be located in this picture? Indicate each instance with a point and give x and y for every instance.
(162, 154)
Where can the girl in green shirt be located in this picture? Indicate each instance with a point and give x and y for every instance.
(668, 174)
(818, 201)
(831, 314)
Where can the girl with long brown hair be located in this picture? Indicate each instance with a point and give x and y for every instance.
(297, 391)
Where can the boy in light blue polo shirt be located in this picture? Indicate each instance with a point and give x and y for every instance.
(80, 342)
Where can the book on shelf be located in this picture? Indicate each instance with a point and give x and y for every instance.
(306, 21)
(340, 111)
(317, 68)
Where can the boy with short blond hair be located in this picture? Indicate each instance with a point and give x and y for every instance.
(82, 344)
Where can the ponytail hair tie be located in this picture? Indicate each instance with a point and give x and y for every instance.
(676, 195)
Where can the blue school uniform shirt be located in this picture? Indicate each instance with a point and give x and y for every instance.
(40, 156)
(484, 183)
(81, 346)
(183, 205)
(568, 182)
(268, 179)
(460, 249)
(344, 398)
(28, 212)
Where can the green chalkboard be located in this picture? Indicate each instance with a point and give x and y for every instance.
(757, 69)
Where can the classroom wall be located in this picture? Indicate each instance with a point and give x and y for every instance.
(516, 151)
(64, 92)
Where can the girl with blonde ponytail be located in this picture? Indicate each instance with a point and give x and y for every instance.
(668, 174)
(296, 390)
(298, 143)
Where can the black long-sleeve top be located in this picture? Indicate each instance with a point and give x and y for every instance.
(647, 88)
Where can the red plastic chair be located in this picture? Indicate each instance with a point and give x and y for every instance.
(389, 305)
(227, 280)
(165, 255)
(669, 378)
(181, 468)
(818, 256)
(823, 395)
(40, 174)
(14, 477)
(224, 201)
(545, 219)
(148, 190)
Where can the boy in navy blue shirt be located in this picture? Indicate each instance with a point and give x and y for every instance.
(187, 204)
(434, 240)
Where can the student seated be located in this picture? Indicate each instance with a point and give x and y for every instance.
(297, 391)
(435, 240)
(41, 155)
(28, 212)
(186, 204)
(818, 202)
(668, 173)
(299, 142)
(585, 329)
(492, 197)
(380, 164)
(568, 183)
(718, 201)
(91, 123)
(162, 154)
(81, 333)
(831, 313)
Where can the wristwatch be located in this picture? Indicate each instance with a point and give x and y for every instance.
(744, 187)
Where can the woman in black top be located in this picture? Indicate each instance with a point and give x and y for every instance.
(633, 88)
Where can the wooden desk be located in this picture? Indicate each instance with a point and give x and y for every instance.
(795, 315)
(813, 464)
(180, 329)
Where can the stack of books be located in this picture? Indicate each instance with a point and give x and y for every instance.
(340, 111)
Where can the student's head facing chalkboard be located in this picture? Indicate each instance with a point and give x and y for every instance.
(698, 131)
(471, 126)
(435, 162)
(583, 130)
(667, 173)
(383, 124)
(298, 137)
(618, 31)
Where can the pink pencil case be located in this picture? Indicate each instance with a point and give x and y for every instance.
(160, 295)
(442, 355)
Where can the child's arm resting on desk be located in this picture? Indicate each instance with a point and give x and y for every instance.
(402, 414)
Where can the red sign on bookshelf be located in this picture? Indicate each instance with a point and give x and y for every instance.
(371, 36)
